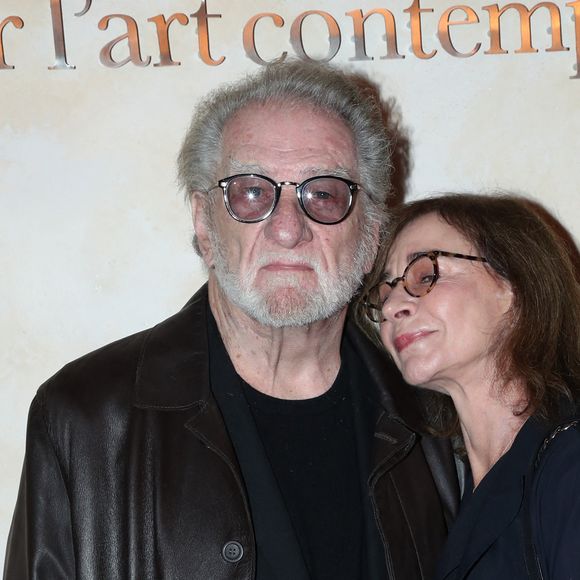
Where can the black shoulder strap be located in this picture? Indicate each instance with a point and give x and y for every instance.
(533, 566)
(279, 554)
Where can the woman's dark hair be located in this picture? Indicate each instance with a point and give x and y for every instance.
(541, 345)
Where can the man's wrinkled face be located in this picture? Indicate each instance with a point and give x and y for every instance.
(287, 270)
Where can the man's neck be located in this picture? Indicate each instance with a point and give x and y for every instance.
(287, 363)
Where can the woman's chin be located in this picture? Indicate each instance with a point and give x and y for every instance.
(421, 379)
(415, 376)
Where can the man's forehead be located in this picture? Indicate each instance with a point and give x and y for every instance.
(238, 166)
(272, 121)
(302, 140)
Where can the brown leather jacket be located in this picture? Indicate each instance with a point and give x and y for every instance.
(129, 472)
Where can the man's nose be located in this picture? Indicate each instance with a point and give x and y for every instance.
(288, 225)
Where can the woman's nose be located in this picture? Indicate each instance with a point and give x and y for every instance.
(399, 304)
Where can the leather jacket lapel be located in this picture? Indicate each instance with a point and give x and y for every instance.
(170, 374)
(404, 500)
(400, 401)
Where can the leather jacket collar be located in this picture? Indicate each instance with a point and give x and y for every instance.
(172, 374)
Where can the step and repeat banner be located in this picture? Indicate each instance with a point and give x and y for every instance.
(95, 96)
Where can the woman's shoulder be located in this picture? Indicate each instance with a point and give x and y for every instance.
(558, 467)
(561, 450)
(557, 503)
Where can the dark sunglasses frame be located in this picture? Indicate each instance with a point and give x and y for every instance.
(353, 188)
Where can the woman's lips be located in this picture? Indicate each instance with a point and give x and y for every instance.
(405, 340)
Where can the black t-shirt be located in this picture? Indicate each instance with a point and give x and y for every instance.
(311, 446)
(305, 465)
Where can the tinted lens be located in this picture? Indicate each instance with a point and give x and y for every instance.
(420, 276)
(326, 199)
(250, 198)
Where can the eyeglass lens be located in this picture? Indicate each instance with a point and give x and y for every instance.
(326, 199)
(419, 276)
(418, 279)
(252, 198)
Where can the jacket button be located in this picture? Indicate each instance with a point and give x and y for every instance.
(232, 552)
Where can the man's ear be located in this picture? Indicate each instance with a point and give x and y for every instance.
(199, 216)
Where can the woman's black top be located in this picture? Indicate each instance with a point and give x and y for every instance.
(487, 541)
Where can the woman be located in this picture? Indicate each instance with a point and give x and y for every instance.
(478, 302)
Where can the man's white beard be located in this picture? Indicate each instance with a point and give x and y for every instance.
(284, 301)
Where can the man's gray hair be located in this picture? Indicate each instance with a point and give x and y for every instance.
(320, 86)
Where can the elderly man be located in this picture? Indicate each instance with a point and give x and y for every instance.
(254, 434)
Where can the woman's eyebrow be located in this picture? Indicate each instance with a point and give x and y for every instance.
(414, 255)
(410, 257)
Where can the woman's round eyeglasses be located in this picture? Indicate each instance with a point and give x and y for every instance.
(251, 198)
(419, 278)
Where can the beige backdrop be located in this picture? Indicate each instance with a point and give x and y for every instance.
(94, 236)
